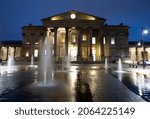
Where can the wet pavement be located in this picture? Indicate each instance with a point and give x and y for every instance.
(81, 83)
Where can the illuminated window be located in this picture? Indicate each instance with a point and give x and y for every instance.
(73, 38)
(36, 53)
(94, 53)
(27, 54)
(36, 43)
(93, 40)
(112, 41)
(104, 40)
(27, 43)
(84, 37)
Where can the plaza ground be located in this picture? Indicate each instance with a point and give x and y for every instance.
(79, 83)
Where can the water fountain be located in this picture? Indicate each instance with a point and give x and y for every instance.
(119, 66)
(119, 72)
(46, 64)
(32, 60)
(106, 63)
(9, 68)
(10, 61)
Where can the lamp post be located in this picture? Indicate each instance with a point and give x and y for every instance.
(144, 32)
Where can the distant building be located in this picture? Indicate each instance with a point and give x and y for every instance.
(80, 36)
(136, 51)
(10, 48)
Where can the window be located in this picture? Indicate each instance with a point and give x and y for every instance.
(93, 40)
(73, 38)
(36, 53)
(94, 53)
(112, 41)
(84, 37)
(27, 43)
(104, 40)
(27, 54)
(36, 43)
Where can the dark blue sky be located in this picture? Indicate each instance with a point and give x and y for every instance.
(17, 13)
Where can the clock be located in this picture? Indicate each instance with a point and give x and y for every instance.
(73, 16)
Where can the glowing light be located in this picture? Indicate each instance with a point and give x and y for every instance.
(36, 43)
(36, 53)
(112, 41)
(27, 43)
(73, 16)
(27, 54)
(139, 43)
(104, 40)
(145, 31)
(93, 40)
(84, 37)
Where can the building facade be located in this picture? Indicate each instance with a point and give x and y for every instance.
(10, 48)
(137, 51)
(80, 36)
(77, 35)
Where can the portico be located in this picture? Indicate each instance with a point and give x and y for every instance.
(75, 43)
(73, 33)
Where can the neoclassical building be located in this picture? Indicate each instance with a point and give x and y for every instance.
(80, 36)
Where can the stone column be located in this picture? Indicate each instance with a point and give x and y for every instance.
(55, 43)
(144, 53)
(7, 53)
(136, 54)
(102, 44)
(90, 45)
(66, 42)
(102, 48)
(79, 45)
(0, 52)
(14, 53)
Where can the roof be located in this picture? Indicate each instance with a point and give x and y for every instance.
(17, 42)
(80, 16)
(134, 43)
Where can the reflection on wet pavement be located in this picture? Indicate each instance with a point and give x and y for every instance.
(90, 82)
(83, 92)
(139, 84)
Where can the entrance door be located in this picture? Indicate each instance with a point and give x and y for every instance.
(61, 53)
(73, 53)
(84, 53)
(11, 51)
(94, 54)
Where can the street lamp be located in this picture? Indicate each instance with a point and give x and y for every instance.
(144, 32)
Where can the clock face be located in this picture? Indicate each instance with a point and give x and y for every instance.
(73, 16)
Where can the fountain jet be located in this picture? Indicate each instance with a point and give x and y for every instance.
(47, 68)
(106, 63)
(32, 60)
(119, 65)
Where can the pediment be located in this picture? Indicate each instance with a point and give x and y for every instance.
(76, 16)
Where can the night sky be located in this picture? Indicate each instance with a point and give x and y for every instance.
(16, 13)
